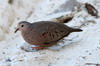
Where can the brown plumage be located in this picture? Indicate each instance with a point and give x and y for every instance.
(44, 33)
(91, 9)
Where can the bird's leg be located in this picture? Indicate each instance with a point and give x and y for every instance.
(38, 48)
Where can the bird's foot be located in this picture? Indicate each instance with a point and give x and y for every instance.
(38, 48)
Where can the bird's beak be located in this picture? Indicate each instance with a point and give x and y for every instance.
(16, 30)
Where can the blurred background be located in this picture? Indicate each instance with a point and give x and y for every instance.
(84, 49)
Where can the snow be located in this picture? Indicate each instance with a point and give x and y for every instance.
(83, 48)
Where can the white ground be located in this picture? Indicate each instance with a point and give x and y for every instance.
(84, 48)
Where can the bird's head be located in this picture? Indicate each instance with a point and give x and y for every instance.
(23, 25)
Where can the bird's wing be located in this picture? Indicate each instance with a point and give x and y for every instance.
(51, 32)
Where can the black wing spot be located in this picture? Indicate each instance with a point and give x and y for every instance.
(61, 31)
(44, 33)
(50, 34)
(57, 35)
(53, 35)
(56, 32)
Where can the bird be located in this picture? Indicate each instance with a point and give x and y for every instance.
(44, 34)
(91, 9)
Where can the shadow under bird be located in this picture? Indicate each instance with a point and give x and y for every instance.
(44, 33)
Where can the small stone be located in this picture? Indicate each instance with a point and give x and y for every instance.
(8, 60)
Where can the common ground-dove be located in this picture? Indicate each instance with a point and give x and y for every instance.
(44, 33)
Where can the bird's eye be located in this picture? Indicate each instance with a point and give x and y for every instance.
(22, 25)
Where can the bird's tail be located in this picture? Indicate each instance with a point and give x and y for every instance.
(76, 30)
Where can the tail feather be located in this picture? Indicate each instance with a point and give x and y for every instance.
(76, 30)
